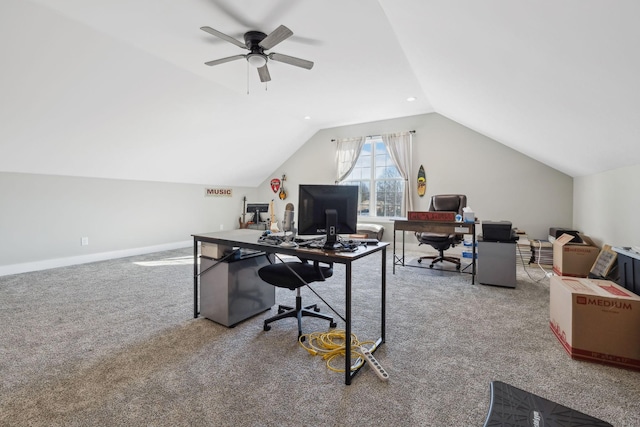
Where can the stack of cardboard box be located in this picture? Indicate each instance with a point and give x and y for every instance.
(573, 259)
(596, 320)
(593, 319)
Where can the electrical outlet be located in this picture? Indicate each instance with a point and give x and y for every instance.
(221, 226)
(84, 241)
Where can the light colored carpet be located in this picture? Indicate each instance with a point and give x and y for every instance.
(115, 343)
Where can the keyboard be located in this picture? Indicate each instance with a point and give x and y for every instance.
(368, 242)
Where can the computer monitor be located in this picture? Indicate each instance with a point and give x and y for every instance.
(328, 210)
(257, 209)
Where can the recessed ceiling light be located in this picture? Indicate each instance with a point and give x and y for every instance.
(307, 117)
(411, 98)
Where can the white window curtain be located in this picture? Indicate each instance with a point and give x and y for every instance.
(400, 148)
(347, 153)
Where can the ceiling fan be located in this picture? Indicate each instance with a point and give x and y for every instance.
(256, 42)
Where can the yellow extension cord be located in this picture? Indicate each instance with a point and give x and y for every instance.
(331, 344)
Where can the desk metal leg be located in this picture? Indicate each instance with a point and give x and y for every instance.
(383, 310)
(473, 259)
(195, 278)
(347, 331)
(403, 233)
(394, 251)
(348, 374)
(397, 259)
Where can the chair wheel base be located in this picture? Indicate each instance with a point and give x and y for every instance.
(298, 312)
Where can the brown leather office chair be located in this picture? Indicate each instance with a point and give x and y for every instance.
(288, 275)
(443, 241)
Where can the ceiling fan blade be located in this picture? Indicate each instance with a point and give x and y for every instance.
(223, 36)
(291, 60)
(234, 14)
(279, 34)
(306, 40)
(277, 11)
(223, 60)
(263, 72)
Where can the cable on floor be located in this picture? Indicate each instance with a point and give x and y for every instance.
(331, 345)
(524, 264)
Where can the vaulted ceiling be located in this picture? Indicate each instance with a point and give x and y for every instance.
(119, 89)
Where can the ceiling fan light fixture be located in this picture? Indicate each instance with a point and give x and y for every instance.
(257, 60)
(256, 42)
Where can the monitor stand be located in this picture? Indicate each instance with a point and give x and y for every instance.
(331, 242)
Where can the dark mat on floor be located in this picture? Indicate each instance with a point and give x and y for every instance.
(512, 407)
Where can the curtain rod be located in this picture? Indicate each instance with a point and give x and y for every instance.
(371, 136)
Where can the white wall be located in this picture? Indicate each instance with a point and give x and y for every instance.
(44, 217)
(500, 183)
(606, 206)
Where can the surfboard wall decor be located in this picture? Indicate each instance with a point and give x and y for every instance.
(422, 181)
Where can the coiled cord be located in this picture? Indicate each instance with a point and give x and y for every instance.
(332, 344)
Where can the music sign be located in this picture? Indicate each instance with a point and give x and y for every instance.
(217, 192)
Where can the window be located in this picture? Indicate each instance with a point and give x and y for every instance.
(380, 182)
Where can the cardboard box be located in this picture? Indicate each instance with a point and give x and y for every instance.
(596, 320)
(212, 250)
(431, 216)
(573, 259)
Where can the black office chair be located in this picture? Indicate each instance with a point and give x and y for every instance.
(282, 276)
(443, 241)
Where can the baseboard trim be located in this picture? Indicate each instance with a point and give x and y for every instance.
(26, 267)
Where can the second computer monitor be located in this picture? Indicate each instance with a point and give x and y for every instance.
(260, 211)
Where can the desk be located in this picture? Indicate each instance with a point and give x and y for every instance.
(434, 227)
(248, 239)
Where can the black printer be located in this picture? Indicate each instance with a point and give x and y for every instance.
(498, 231)
(555, 232)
